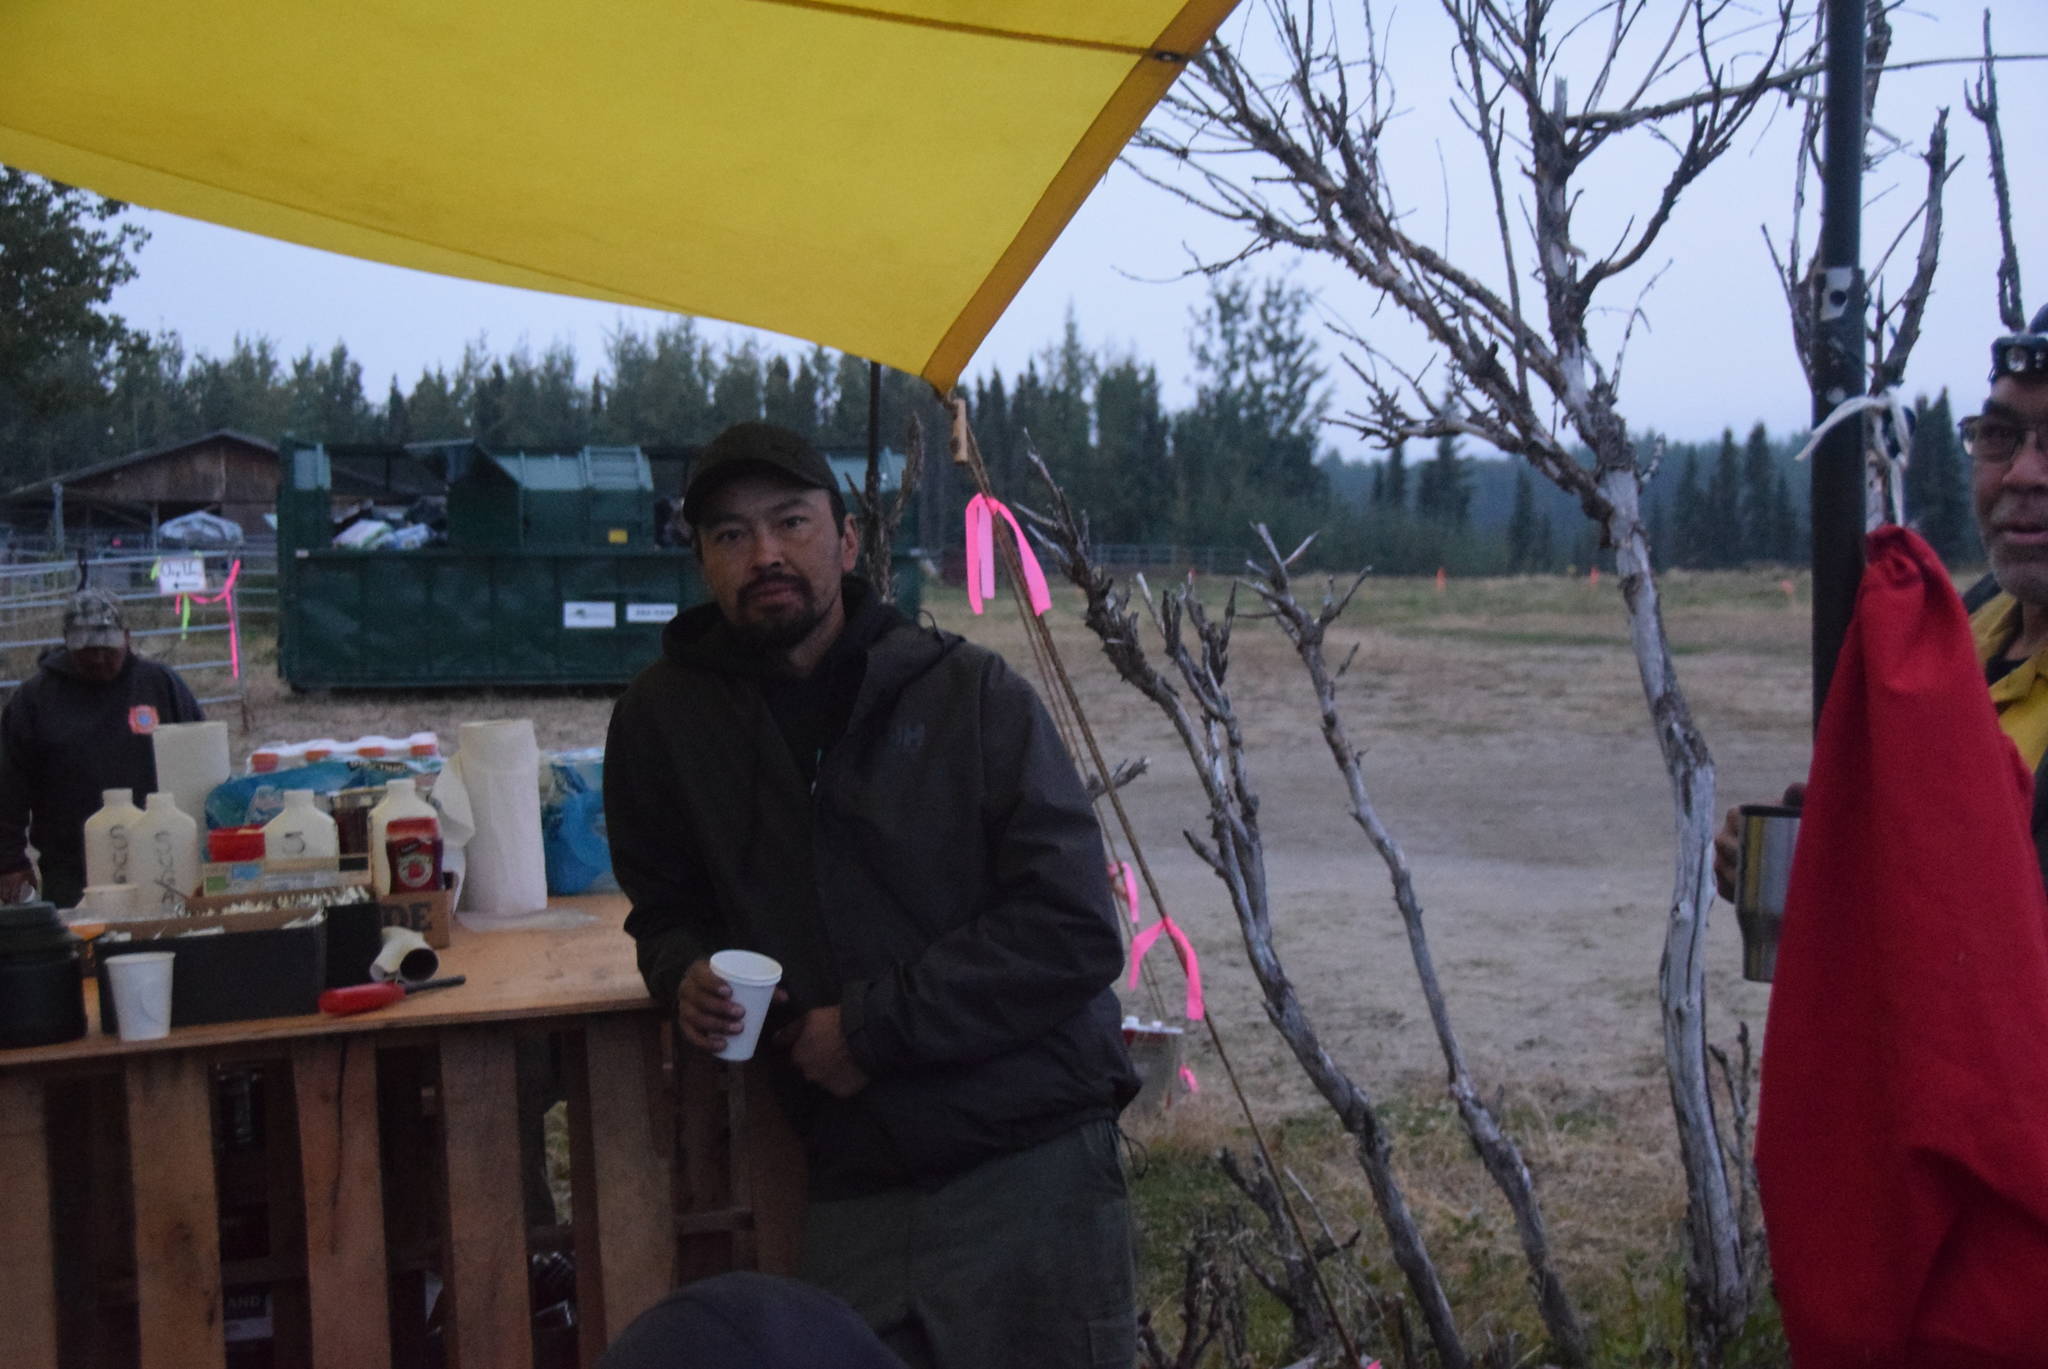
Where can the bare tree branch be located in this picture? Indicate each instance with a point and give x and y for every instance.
(879, 518)
(1295, 162)
(1982, 102)
(1123, 774)
(1904, 329)
(1497, 1151)
(1197, 648)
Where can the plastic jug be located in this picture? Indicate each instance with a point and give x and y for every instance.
(109, 835)
(301, 831)
(164, 854)
(401, 800)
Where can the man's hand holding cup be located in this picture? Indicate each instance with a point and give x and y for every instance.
(721, 1012)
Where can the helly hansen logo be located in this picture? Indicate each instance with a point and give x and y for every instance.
(907, 738)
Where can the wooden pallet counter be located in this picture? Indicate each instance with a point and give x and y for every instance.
(393, 1149)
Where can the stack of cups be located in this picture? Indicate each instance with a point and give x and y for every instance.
(115, 903)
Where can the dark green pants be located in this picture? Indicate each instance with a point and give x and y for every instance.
(1021, 1263)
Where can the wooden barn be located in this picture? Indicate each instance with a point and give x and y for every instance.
(223, 472)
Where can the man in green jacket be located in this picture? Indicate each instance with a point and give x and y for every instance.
(887, 811)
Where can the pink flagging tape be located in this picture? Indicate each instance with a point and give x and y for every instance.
(226, 596)
(1190, 966)
(1187, 1076)
(981, 556)
(1124, 879)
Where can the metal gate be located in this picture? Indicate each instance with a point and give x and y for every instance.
(196, 630)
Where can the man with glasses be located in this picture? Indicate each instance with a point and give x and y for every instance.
(2008, 448)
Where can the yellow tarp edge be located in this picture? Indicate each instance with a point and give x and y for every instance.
(1090, 160)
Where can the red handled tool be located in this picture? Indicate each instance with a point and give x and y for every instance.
(365, 997)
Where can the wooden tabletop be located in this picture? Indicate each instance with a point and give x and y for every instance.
(571, 972)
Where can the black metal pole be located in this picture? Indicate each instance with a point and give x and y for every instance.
(1838, 499)
(874, 413)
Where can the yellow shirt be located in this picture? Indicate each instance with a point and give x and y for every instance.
(2021, 697)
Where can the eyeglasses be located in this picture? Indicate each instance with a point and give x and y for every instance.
(1995, 440)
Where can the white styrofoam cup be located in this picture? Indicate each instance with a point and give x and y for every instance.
(753, 978)
(142, 993)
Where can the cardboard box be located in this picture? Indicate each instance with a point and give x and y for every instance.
(432, 915)
(238, 966)
(275, 901)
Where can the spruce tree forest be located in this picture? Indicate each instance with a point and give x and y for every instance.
(79, 387)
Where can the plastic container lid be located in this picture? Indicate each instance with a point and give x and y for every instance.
(235, 843)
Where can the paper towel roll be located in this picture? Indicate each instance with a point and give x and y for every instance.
(191, 758)
(504, 871)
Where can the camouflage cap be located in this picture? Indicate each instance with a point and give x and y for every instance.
(94, 618)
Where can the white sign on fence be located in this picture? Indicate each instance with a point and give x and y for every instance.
(181, 575)
(650, 613)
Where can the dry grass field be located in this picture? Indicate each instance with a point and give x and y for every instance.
(1508, 749)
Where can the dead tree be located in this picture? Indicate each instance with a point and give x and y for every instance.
(1893, 324)
(1197, 646)
(1982, 102)
(878, 518)
(1205, 721)
(1212, 1313)
(1294, 159)
(1497, 1150)
(1295, 1284)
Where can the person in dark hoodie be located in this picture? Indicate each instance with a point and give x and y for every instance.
(886, 810)
(2008, 449)
(80, 726)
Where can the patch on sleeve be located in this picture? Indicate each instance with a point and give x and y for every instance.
(142, 719)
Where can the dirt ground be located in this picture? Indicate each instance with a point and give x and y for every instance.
(1508, 749)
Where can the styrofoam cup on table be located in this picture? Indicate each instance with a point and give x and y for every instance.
(753, 978)
(142, 993)
(405, 956)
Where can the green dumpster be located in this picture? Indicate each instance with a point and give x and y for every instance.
(553, 572)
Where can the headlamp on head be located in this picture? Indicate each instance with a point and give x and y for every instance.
(2022, 354)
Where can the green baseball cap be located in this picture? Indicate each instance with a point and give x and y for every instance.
(753, 446)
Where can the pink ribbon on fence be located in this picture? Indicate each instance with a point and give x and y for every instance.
(981, 556)
(226, 596)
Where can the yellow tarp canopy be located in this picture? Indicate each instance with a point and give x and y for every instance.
(880, 178)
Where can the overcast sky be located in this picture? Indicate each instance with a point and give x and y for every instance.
(1714, 351)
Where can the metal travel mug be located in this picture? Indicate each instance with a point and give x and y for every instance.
(1769, 834)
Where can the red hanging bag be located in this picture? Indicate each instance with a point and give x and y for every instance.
(1902, 1138)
